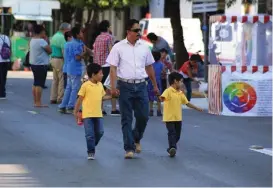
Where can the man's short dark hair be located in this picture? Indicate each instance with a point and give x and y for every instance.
(174, 76)
(93, 68)
(67, 35)
(75, 31)
(164, 50)
(104, 25)
(156, 55)
(195, 57)
(130, 24)
(38, 29)
(152, 37)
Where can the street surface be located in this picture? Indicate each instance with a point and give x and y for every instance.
(40, 147)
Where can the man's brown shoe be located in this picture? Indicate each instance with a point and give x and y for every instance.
(129, 155)
(138, 147)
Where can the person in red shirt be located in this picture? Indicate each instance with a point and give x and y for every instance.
(102, 47)
(189, 72)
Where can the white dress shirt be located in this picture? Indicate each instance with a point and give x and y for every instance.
(130, 60)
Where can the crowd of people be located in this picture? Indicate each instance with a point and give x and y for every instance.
(138, 78)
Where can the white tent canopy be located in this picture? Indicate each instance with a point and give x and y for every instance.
(38, 10)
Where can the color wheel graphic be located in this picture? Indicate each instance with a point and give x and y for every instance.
(239, 97)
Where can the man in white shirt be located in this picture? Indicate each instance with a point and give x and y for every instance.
(131, 63)
(5, 61)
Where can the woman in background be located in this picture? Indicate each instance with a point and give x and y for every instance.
(39, 60)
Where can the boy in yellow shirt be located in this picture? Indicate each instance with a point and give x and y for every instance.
(90, 97)
(173, 98)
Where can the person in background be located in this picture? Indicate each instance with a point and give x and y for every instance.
(57, 44)
(39, 60)
(189, 71)
(90, 98)
(167, 67)
(131, 63)
(158, 68)
(75, 54)
(68, 37)
(159, 43)
(5, 63)
(102, 47)
(172, 99)
(47, 40)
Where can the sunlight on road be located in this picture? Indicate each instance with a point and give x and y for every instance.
(15, 175)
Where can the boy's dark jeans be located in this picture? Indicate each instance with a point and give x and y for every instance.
(4, 66)
(187, 83)
(133, 98)
(93, 132)
(174, 132)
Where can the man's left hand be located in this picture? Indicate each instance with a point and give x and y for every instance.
(156, 90)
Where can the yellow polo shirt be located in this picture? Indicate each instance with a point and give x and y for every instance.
(92, 99)
(172, 105)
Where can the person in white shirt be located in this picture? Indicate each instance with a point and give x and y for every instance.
(130, 64)
(5, 62)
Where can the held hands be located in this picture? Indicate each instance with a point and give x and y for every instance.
(115, 93)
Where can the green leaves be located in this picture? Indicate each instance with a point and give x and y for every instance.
(104, 4)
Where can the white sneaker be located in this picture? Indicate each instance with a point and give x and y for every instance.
(91, 156)
(3, 98)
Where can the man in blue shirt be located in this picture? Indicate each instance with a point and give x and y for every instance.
(74, 53)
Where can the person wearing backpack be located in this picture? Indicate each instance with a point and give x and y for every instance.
(5, 60)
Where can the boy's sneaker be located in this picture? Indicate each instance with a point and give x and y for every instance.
(172, 152)
(115, 113)
(69, 110)
(138, 147)
(91, 156)
(151, 113)
(62, 110)
(159, 113)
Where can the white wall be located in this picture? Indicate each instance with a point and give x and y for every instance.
(157, 8)
(185, 9)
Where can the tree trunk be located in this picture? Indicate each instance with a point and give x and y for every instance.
(91, 29)
(79, 16)
(172, 10)
(66, 13)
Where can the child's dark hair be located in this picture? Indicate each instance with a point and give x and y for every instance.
(156, 55)
(174, 76)
(93, 68)
(67, 35)
(164, 50)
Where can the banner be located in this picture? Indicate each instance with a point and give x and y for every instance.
(247, 91)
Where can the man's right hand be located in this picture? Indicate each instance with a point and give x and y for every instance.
(115, 92)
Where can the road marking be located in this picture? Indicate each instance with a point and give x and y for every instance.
(32, 112)
(12, 169)
(266, 151)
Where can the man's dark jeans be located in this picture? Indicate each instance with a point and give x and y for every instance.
(133, 98)
(187, 83)
(174, 132)
(4, 66)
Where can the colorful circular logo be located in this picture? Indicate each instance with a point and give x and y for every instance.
(239, 97)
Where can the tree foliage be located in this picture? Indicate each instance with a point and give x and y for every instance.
(104, 4)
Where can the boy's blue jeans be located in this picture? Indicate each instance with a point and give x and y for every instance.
(93, 132)
(71, 91)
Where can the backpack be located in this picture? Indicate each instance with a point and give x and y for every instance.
(5, 50)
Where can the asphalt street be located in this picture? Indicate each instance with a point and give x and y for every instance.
(40, 147)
